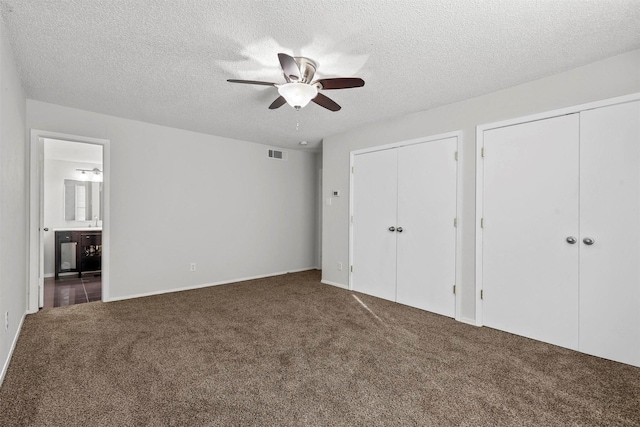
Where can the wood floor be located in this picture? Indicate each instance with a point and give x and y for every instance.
(70, 290)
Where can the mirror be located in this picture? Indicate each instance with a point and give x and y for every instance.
(82, 200)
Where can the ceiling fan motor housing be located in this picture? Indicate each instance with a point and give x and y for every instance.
(307, 68)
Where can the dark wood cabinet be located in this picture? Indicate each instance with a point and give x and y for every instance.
(78, 251)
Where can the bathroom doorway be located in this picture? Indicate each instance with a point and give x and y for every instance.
(68, 220)
(72, 211)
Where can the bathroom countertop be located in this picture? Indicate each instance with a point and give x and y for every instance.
(79, 229)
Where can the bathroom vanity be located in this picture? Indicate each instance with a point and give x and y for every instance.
(78, 250)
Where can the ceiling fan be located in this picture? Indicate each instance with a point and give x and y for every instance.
(300, 88)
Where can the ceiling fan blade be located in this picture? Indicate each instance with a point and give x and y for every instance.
(279, 102)
(290, 67)
(325, 102)
(340, 83)
(251, 82)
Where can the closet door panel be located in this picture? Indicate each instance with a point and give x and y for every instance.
(530, 271)
(426, 210)
(375, 186)
(610, 215)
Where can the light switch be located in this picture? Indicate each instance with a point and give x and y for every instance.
(328, 202)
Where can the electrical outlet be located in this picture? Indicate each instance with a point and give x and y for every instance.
(6, 320)
(339, 266)
(193, 266)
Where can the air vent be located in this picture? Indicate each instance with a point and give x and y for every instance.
(278, 155)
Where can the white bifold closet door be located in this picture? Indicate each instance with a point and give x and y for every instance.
(375, 207)
(530, 196)
(426, 210)
(610, 215)
(404, 239)
(561, 236)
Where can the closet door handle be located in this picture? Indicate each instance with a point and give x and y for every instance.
(588, 241)
(399, 229)
(571, 240)
(392, 228)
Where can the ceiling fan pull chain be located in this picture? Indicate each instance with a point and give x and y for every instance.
(297, 119)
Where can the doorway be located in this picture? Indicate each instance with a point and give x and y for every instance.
(69, 220)
(72, 211)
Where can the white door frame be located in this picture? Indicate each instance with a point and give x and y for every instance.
(35, 182)
(458, 136)
(480, 173)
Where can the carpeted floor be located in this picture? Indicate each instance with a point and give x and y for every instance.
(289, 351)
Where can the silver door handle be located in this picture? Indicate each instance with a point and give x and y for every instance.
(571, 240)
(588, 241)
(46, 229)
(399, 229)
(392, 228)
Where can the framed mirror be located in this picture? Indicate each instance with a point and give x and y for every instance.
(82, 200)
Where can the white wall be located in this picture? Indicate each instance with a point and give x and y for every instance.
(55, 172)
(178, 197)
(609, 78)
(13, 202)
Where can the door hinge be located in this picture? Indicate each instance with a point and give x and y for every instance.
(481, 294)
(351, 219)
(353, 169)
(455, 156)
(481, 222)
(351, 268)
(455, 222)
(482, 152)
(454, 289)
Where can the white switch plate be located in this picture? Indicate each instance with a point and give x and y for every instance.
(328, 201)
(339, 266)
(193, 266)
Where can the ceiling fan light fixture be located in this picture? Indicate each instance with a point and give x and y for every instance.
(298, 95)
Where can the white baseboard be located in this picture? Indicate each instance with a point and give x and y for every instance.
(204, 285)
(13, 347)
(471, 322)
(336, 284)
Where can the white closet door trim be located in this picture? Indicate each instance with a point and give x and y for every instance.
(459, 229)
(456, 134)
(480, 174)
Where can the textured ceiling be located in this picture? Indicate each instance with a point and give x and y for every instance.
(167, 62)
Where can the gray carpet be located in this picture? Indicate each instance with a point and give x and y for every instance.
(289, 351)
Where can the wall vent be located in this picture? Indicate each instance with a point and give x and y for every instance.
(278, 155)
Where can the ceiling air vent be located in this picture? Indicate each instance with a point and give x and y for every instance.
(279, 155)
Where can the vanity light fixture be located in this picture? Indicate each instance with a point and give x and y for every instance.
(95, 177)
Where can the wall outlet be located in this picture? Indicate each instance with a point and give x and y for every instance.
(339, 266)
(192, 266)
(6, 320)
